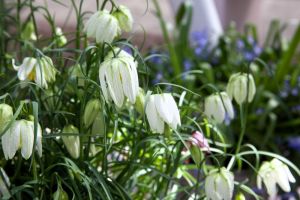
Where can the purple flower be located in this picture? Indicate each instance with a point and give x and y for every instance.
(127, 49)
(187, 64)
(294, 143)
(240, 44)
(283, 94)
(249, 56)
(295, 92)
(259, 111)
(198, 51)
(257, 50)
(158, 78)
(200, 38)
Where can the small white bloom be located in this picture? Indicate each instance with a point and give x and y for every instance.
(160, 109)
(103, 26)
(118, 78)
(91, 111)
(4, 191)
(60, 39)
(6, 114)
(238, 86)
(39, 70)
(21, 136)
(272, 173)
(72, 142)
(124, 17)
(217, 105)
(219, 184)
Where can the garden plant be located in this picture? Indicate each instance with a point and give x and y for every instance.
(88, 115)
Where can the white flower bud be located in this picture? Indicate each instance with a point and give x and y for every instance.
(160, 109)
(238, 87)
(91, 111)
(140, 101)
(124, 17)
(103, 26)
(118, 78)
(39, 70)
(72, 142)
(6, 114)
(219, 184)
(60, 39)
(218, 106)
(272, 173)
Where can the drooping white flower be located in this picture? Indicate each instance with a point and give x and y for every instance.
(91, 111)
(218, 106)
(4, 183)
(39, 70)
(272, 173)
(103, 26)
(6, 114)
(21, 136)
(124, 17)
(238, 87)
(72, 142)
(118, 78)
(161, 109)
(219, 184)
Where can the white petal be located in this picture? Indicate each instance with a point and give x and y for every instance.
(163, 107)
(27, 138)
(103, 83)
(91, 25)
(174, 111)
(26, 67)
(252, 88)
(219, 113)
(127, 82)
(270, 184)
(39, 141)
(114, 83)
(155, 122)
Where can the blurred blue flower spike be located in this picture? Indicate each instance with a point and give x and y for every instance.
(200, 38)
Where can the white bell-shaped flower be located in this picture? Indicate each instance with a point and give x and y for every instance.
(118, 77)
(21, 136)
(238, 87)
(218, 106)
(272, 173)
(219, 184)
(124, 17)
(72, 142)
(103, 26)
(40, 70)
(161, 109)
(6, 114)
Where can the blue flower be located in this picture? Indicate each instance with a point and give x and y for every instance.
(158, 78)
(295, 92)
(187, 64)
(294, 143)
(200, 38)
(259, 111)
(249, 56)
(240, 44)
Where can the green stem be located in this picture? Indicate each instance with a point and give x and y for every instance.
(173, 56)
(243, 127)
